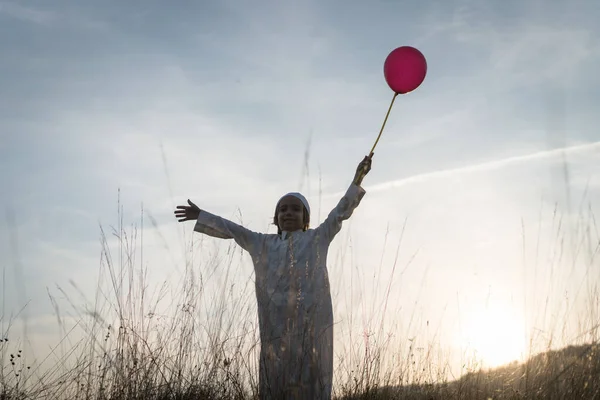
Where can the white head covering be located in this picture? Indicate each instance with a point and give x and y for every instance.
(299, 197)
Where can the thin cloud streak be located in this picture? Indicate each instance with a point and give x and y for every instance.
(487, 166)
(27, 14)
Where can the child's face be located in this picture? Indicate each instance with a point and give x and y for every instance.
(290, 214)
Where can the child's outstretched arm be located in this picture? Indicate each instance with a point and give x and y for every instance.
(218, 227)
(347, 204)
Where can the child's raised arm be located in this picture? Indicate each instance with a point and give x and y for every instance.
(218, 227)
(347, 204)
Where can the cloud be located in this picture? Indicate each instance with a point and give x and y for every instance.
(27, 13)
(508, 47)
(486, 166)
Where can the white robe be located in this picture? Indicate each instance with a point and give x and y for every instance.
(295, 311)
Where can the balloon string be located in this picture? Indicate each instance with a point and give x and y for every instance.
(383, 126)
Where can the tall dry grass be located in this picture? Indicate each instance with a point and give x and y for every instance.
(132, 341)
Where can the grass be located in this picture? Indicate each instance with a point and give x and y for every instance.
(129, 342)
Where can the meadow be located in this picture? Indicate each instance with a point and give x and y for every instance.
(124, 343)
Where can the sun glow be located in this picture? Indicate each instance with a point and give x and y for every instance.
(493, 336)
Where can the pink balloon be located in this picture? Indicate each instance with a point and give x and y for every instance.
(405, 69)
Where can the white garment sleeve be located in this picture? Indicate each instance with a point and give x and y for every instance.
(344, 209)
(222, 228)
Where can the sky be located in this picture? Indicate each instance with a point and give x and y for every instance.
(481, 205)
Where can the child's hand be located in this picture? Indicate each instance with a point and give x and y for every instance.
(187, 213)
(363, 169)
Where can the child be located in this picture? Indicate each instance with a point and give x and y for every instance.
(295, 311)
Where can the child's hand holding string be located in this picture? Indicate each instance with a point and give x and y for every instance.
(363, 169)
(187, 213)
